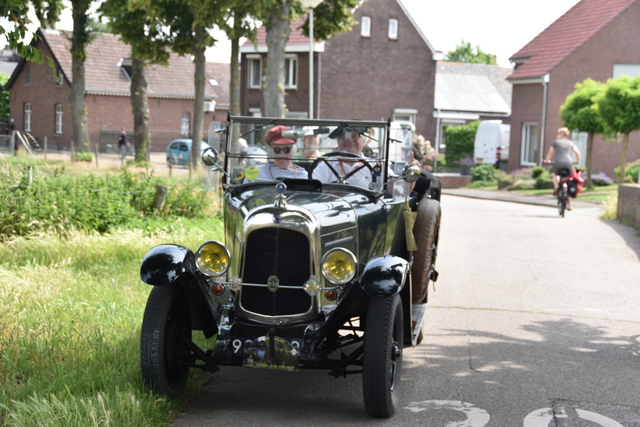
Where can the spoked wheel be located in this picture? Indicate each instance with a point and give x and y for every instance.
(166, 332)
(382, 356)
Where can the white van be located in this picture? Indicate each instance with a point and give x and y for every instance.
(491, 135)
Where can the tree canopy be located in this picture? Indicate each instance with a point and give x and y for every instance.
(465, 53)
(580, 112)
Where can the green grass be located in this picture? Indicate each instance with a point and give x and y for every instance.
(70, 315)
(71, 307)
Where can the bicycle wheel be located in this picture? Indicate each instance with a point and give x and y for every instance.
(562, 201)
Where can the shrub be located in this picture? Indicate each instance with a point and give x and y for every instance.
(600, 178)
(484, 173)
(522, 184)
(504, 179)
(537, 171)
(83, 156)
(631, 172)
(544, 182)
(460, 141)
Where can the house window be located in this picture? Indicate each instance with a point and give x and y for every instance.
(393, 29)
(255, 72)
(59, 77)
(529, 144)
(27, 75)
(27, 117)
(59, 119)
(365, 26)
(631, 70)
(405, 115)
(291, 72)
(186, 123)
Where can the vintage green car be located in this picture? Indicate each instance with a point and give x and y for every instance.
(326, 261)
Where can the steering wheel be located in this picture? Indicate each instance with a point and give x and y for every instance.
(341, 179)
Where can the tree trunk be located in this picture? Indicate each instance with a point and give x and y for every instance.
(277, 38)
(234, 86)
(79, 40)
(140, 105)
(588, 159)
(623, 158)
(198, 109)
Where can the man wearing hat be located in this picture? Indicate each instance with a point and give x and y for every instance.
(280, 166)
(351, 139)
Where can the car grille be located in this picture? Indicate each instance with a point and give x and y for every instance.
(282, 253)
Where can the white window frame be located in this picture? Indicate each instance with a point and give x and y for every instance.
(27, 117)
(59, 111)
(405, 115)
(393, 29)
(291, 71)
(185, 124)
(365, 26)
(525, 145)
(253, 62)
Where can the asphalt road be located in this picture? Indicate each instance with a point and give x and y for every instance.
(534, 323)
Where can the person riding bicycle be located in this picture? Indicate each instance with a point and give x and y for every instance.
(563, 160)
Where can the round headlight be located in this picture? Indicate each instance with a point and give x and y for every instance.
(339, 266)
(212, 258)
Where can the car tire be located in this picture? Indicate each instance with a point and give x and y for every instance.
(166, 332)
(426, 231)
(382, 356)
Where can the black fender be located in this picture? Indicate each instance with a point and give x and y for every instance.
(163, 264)
(168, 264)
(384, 276)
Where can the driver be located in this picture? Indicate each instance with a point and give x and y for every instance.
(351, 139)
(281, 166)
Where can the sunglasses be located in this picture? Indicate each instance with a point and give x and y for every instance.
(285, 150)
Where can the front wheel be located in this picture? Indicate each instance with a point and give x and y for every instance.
(165, 336)
(382, 356)
(562, 200)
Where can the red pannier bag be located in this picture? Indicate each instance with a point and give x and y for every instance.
(576, 182)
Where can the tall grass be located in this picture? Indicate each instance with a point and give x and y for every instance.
(70, 315)
(610, 207)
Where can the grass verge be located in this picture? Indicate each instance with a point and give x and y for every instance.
(70, 315)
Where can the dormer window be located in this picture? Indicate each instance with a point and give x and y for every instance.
(59, 77)
(126, 65)
(27, 75)
(393, 29)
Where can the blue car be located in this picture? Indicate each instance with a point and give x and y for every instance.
(179, 151)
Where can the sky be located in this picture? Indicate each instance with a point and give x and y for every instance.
(498, 27)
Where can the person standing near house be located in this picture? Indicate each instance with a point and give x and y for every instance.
(561, 156)
(122, 142)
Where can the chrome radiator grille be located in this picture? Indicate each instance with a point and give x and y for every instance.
(282, 253)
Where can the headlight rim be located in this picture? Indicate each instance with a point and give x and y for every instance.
(207, 272)
(350, 255)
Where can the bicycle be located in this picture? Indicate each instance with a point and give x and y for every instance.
(563, 191)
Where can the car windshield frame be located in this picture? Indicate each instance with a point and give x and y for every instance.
(254, 129)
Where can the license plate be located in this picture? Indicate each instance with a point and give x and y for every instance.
(271, 353)
(478, 160)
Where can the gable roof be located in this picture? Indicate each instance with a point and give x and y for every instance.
(298, 42)
(477, 88)
(542, 54)
(105, 76)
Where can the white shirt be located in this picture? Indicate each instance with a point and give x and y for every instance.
(270, 172)
(362, 178)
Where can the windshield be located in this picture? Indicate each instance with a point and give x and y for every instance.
(342, 152)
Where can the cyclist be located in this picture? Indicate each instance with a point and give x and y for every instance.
(561, 153)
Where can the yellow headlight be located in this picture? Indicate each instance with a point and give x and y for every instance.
(212, 258)
(339, 266)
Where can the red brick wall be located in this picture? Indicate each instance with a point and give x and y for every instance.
(368, 77)
(527, 109)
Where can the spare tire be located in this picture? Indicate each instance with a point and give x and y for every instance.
(426, 232)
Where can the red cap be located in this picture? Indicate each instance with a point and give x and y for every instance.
(274, 137)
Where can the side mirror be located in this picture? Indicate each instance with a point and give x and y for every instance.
(210, 157)
(411, 173)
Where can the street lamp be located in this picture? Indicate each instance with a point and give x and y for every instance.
(311, 4)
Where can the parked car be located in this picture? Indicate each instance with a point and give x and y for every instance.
(179, 151)
(310, 275)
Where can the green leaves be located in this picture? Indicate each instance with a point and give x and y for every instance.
(580, 110)
(465, 53)
(619, 105)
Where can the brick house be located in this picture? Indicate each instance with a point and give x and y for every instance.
(383, 68)
(597, 39)
(40, 105)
